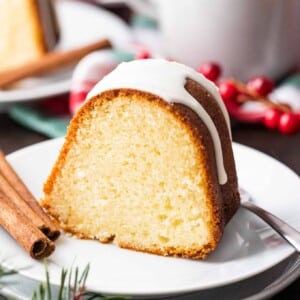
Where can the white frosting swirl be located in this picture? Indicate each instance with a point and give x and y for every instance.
(167, 80)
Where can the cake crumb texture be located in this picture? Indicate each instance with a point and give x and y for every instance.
(134, 171)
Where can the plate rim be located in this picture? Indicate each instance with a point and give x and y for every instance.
(284, 280)
(61, 86)
(49, 90)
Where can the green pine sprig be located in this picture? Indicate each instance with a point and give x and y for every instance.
(72, 286)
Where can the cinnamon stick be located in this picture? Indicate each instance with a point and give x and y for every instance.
(50, 62)
(15, 189)
(23, 230)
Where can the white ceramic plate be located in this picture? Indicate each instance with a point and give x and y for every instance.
(80, 23)
(261, 286)
(248, 247)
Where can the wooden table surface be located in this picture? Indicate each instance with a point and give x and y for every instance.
(284, 148)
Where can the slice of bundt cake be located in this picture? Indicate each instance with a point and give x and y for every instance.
(28, 29)
(147, 163)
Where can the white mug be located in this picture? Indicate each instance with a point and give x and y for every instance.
(247, 37)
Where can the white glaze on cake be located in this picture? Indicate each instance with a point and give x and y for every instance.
(167, 80)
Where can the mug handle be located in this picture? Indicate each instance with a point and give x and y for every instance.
(144, 7)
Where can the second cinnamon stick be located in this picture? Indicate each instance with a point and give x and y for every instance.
(12, 185)
(51, 62)
(23, 230)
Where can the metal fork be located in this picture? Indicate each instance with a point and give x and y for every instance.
(290, 234)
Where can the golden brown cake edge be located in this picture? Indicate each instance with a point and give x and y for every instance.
(201, 137)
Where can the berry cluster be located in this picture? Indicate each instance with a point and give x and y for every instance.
(278, 116)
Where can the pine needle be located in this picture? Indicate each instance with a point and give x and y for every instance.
(84, 275)
(60, 296)
(68, 289)
(48, 285)
(5, 272)
(75, 283)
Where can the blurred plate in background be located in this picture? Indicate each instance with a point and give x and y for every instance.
(80, 23)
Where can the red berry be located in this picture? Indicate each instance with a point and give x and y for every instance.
(143, 54)
(288, 123)
(211, 71)
(272, 117)
(228, 91)
(261, 85)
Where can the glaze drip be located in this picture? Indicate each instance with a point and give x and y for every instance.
(167, 80)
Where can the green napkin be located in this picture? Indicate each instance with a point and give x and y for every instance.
(39, 120)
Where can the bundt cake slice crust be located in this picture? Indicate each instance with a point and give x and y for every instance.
(229, 190)
(206, 213)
